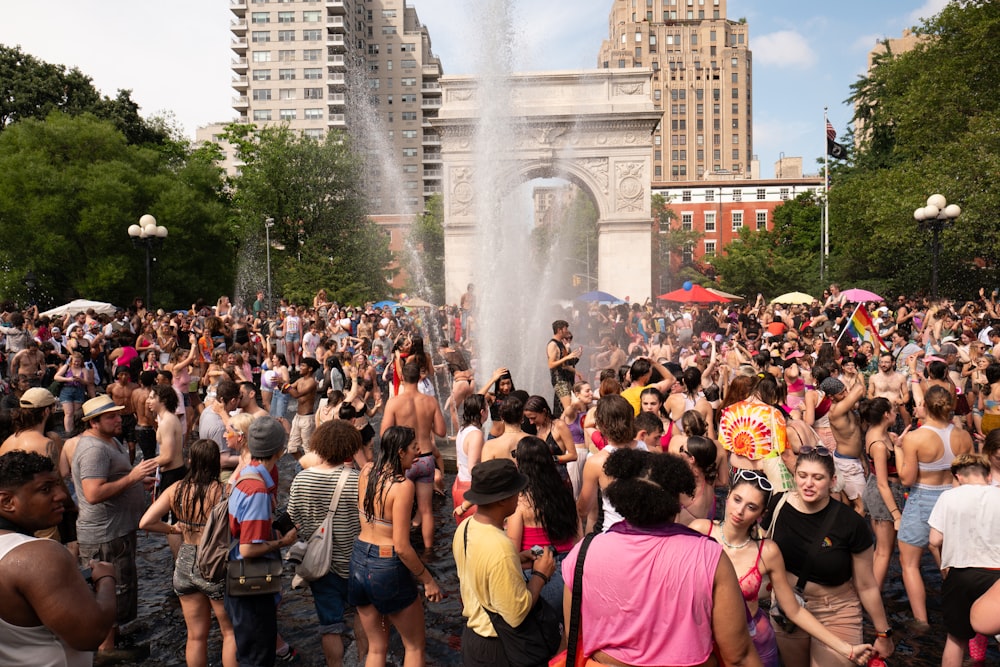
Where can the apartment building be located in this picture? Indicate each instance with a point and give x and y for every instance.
(702, 80)
(316, 65)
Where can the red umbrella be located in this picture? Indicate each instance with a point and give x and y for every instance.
(697, 294)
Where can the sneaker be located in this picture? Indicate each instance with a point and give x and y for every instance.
(291, 656)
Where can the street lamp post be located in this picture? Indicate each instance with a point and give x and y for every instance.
(148, 235)
(268, 223)
(936, 216)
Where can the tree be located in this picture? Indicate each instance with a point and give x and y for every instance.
(424, 259)
(70, 190)
(321, 236)
(32, 88)
(931, 123)
(673, 246)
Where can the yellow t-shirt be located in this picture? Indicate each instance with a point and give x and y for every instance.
(489, 573)
(634, 396)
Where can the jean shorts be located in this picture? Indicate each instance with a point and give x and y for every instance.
(72, 394)
(913, 528)
(187, 576)
(380, 581)
(330, 597)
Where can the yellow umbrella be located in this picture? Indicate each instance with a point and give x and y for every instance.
(794, 298)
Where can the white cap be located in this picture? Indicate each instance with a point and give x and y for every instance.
(384, 322)
(380, 333)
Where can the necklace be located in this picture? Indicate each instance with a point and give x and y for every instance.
(722, 536)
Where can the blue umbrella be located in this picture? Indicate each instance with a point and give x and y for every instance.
(600, 297)
(383, 304)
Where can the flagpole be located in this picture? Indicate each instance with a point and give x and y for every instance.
(843, 330)
(825, 234)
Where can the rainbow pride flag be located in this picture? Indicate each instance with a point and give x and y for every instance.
(861, 328)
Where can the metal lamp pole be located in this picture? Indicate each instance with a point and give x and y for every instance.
(148, 235)
(268, 223)
(936, 216)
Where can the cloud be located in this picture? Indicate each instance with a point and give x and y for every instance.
(785, 48)
(927, 10)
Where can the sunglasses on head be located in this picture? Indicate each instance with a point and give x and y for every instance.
(819, 449)
(754, 477)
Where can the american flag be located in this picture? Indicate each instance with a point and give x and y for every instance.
(831, 133)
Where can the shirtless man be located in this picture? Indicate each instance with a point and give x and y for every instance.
(616, 422)
(162, 402)
(248, 400)
(121, 393)
(421, 413)
(846, 429)
(29, 362)
(503, 446)
(891, 385)
(304, 421)
(145, 431)
(612, 356)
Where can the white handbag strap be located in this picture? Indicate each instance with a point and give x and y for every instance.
(341, 483)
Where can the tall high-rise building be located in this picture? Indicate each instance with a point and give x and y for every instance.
(702, 80)
(296, 61)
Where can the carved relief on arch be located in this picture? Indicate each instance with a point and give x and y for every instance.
(598, 168)
(462, 191)
(630, 189)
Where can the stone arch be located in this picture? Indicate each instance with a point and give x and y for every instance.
(591, 127)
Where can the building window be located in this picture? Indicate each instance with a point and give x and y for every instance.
(709, 194)
(709, 248)
(410, 97)
(260, 36)
(262, 95)
(262, 114)
(262, 56)
(312, 93)
(761, 220)
(783, 193)
(311, 16)
(408, 81)
(408, 63)
(261, 75)
(737, 221)
(687, 253)
(737, 194)
(310, 54)
(286, 94)
(286, 35)
(761, 194)
(286, 55)
(408, 48)
(312, 73)
(313, 133)
(312, 35)
(313, 114)
(388, 30)
(409, 134)
(287, 114)
(260, 17)
(409, 152)
(286, 17)
(710, 221)
(286, 74)
(687, 221)
(409, 115)
(685, 195)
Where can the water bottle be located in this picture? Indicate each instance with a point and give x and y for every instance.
(876, 661)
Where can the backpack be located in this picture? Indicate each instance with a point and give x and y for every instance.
(216, 540)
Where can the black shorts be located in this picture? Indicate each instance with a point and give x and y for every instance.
(961, 588)
(145, 437)
(129, 420)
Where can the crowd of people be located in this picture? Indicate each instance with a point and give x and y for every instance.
(757, 463)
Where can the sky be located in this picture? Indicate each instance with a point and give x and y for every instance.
(175, 55)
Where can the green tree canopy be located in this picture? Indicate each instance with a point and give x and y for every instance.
(424, 259)
(321, 237)
(71, 187)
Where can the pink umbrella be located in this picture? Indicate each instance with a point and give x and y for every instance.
(860, 295)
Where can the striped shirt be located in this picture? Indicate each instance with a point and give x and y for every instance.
(250, 511)
(309, 500)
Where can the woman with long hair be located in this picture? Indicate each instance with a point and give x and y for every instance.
(545, 514)
(573, 417)
(468, 451)
(883, 496)
(190, 501)
(828, 545)
(702, 455)
(924, 463)
(383, 563)
(738, 529)
(73, 377)
(502, 387)
(277, 378)
(553, 432)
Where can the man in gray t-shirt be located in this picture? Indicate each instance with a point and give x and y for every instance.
(212, 424)
(111, 499)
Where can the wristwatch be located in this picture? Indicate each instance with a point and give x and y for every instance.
(884, 634)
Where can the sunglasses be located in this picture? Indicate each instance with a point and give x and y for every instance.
(754, 477)
(819, 449)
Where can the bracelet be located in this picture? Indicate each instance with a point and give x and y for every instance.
(536, 573)
(107, 576)
(894, 509)
(417, 575)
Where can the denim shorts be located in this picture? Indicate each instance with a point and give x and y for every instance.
(187, 576)
(383, 582)
(72, 394)
(914, 529)
(330, 597)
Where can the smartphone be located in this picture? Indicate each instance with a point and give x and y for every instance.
(537, 551)
(282, 522)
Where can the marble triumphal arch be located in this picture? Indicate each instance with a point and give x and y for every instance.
(592, 127)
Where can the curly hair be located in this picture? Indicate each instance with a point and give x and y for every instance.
(546, 492)
(19, 467)
(646, 487)
(387, 468)
(335, 441)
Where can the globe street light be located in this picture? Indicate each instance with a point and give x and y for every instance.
(937, 215)
(147, 234)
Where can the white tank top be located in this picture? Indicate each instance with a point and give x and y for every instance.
(36, 646)
(461, 457)
(611, 515)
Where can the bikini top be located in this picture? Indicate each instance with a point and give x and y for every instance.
(991, 404)
(381, 522)
(751, 581)
(890, 461)
(943, 463)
